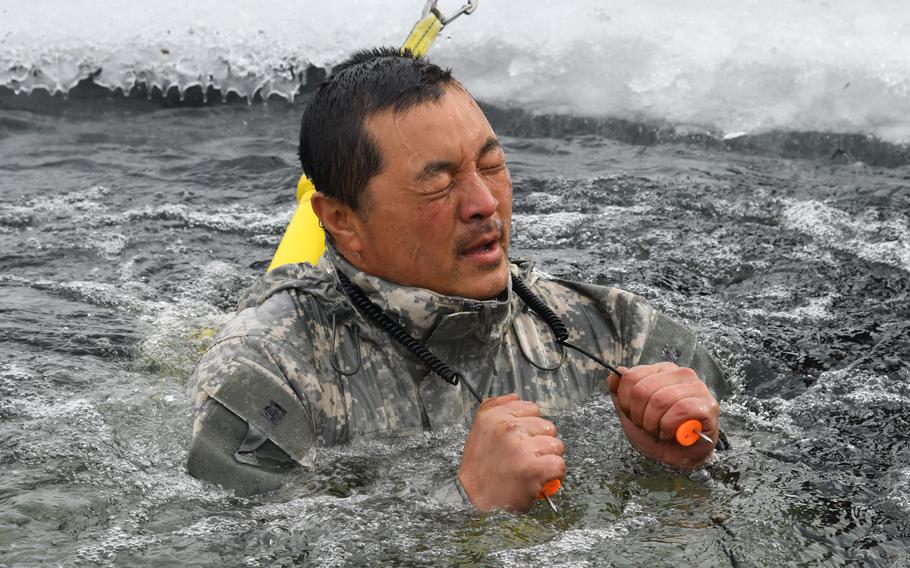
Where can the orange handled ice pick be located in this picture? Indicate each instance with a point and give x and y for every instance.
(687, 434)
(548, 489)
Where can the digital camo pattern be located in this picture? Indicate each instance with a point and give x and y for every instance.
(297, 340)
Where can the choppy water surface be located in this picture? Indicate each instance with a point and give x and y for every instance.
(127, 234)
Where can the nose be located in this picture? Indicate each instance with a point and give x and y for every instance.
(478, 200)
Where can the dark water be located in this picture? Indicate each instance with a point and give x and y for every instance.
(127, 233)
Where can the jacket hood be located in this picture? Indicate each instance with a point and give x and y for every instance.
(303, 276)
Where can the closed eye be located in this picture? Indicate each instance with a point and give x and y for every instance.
(440, 185)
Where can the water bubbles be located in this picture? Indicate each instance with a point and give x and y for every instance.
(113, 542)
(816, 309)
(552, 229)
(561, 550)
(700, 476)
(108, 243)
(886, 241)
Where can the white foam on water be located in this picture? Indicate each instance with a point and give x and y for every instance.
(845, 389)
(107, 242)
(114, 541)
(899, 493)
(351, 516)
(561, 550)
(569, 228)
(187, 324)
(545, 202)
(28, 209)
(764, 415)
(81, 204)
(77, 411)
(180, 327)
(733, 68)
(547, 229)
(885, 241)
(232, 219)
(815, 310)
(96, 294)
(215, 525)
(176, 342)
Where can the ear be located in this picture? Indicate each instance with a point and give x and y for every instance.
(340, 221)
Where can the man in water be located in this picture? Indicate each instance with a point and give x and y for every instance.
(416, 199)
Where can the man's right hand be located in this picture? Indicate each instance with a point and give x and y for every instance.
(509, 454)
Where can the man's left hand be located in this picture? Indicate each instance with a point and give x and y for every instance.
(653, 400)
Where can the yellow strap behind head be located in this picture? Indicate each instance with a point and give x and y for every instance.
(304, 239)
(304, 186)
(423, 35)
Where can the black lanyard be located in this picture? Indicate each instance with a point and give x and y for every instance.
(446, 373)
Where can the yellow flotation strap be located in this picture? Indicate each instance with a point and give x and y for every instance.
(304, 239)
(422, 36)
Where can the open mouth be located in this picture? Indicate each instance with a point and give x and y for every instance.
(482, 248)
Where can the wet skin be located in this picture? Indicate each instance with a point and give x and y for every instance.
(653, 400)
(437, 215)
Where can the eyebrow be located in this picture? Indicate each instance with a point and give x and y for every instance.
(432, 168)
(491, 144)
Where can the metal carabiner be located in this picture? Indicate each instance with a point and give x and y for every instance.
(430, 8)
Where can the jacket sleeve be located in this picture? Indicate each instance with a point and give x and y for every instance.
(250, 425)
(216, 455)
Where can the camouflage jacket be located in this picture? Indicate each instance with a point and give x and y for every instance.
(299, 367)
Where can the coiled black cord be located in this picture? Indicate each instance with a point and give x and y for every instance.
(400, 335)
(559, 329)
(419, 350)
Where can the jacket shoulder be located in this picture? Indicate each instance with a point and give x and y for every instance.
(624, 315)
(285, 308)
(278, 317)
(303, 277)
(647, 335)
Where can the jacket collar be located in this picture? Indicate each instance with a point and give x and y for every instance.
(430, 316)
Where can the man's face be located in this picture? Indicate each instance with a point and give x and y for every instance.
(438, 214)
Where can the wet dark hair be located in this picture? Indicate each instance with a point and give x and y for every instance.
(336, 152)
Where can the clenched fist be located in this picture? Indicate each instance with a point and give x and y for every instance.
(509, 454)
(653, 400)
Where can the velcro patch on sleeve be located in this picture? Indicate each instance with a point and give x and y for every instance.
(263, 400)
